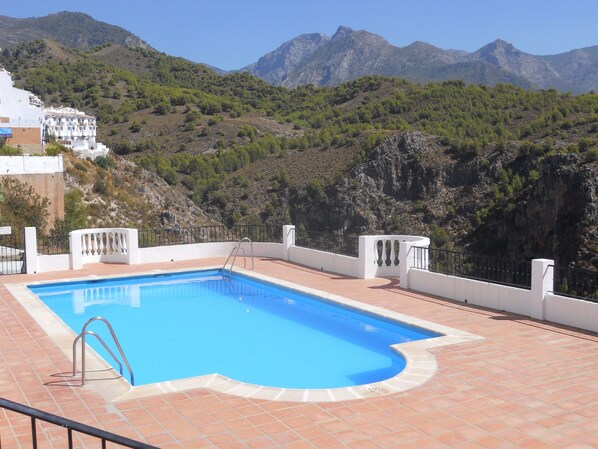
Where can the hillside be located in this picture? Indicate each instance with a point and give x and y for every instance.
(477, 171)
(71, 29)
(122, 193)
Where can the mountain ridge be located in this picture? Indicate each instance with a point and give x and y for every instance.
(72, 29)
(350, 54)
(321, 60)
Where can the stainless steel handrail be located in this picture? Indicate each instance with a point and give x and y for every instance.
(235, 250)
(81, 337)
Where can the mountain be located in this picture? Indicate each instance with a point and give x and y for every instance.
(498, 170)
(329, 61)
(578, 67)
(71, 29)
(275, 66)
(324, 60)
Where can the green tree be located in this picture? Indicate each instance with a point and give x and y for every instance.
(22, 205)
(75, 214)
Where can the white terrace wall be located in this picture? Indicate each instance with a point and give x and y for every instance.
(322, 260)
(538, 302)
(479, 293)
(120, 245)
(31, 165)
(377, 257)
(571, 312)
(204, 250)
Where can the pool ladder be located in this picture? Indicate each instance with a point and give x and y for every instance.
(235, 251)
(81, 337)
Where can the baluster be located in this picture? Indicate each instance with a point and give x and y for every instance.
(111, 243)
(101, 243)
(124, 243)
(379, 247)
(387, 251)
(118, 242)
(396, 245)
(90, 244)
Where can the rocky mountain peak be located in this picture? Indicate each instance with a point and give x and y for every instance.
(275, 66)
(495, 50)
(342, 32)
(499, 43)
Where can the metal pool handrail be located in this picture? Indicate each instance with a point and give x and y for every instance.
(235, 250)
(82, 335)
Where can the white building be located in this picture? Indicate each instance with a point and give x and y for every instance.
(25, 123)
(21, 115)
(73, 129)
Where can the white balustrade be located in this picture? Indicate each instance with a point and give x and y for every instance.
(385, 255)
(112, 245)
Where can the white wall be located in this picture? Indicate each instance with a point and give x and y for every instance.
(479, 293)
(205, 250)
(321, 260)
(571, 312)
(22, 107)
(554, 308)
(30, 165)
(57, 262)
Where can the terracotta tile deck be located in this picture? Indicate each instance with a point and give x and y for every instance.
(527, 384)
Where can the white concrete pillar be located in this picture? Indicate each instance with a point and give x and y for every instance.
(288, 240)
(367, 256)
(542, 283)
(30, 250)
(132, 246)
(405, 262)
(76, 250)
(411, 255)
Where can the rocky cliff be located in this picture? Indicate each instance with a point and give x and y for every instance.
(557, 216)
(412, 183)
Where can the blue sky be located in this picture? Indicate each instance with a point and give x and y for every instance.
(233, 33)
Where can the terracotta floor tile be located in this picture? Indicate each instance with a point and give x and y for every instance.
(528, 384)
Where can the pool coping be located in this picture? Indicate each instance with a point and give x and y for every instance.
(421, 364)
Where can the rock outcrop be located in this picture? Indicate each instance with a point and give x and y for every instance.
(411, 183)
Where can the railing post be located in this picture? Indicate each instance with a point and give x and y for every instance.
(288, 240)
(30, 250)
(76, 251)
(542, 283)
(367, 261)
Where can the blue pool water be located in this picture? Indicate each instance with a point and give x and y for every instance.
(173, 326)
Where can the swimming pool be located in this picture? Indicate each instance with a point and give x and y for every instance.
(180, 325)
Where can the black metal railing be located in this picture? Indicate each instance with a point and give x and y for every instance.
(53, 244)
(484, 268)
(347, 245)
(208, 234)
(12, 248)
(70, 426)
(575, 282)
